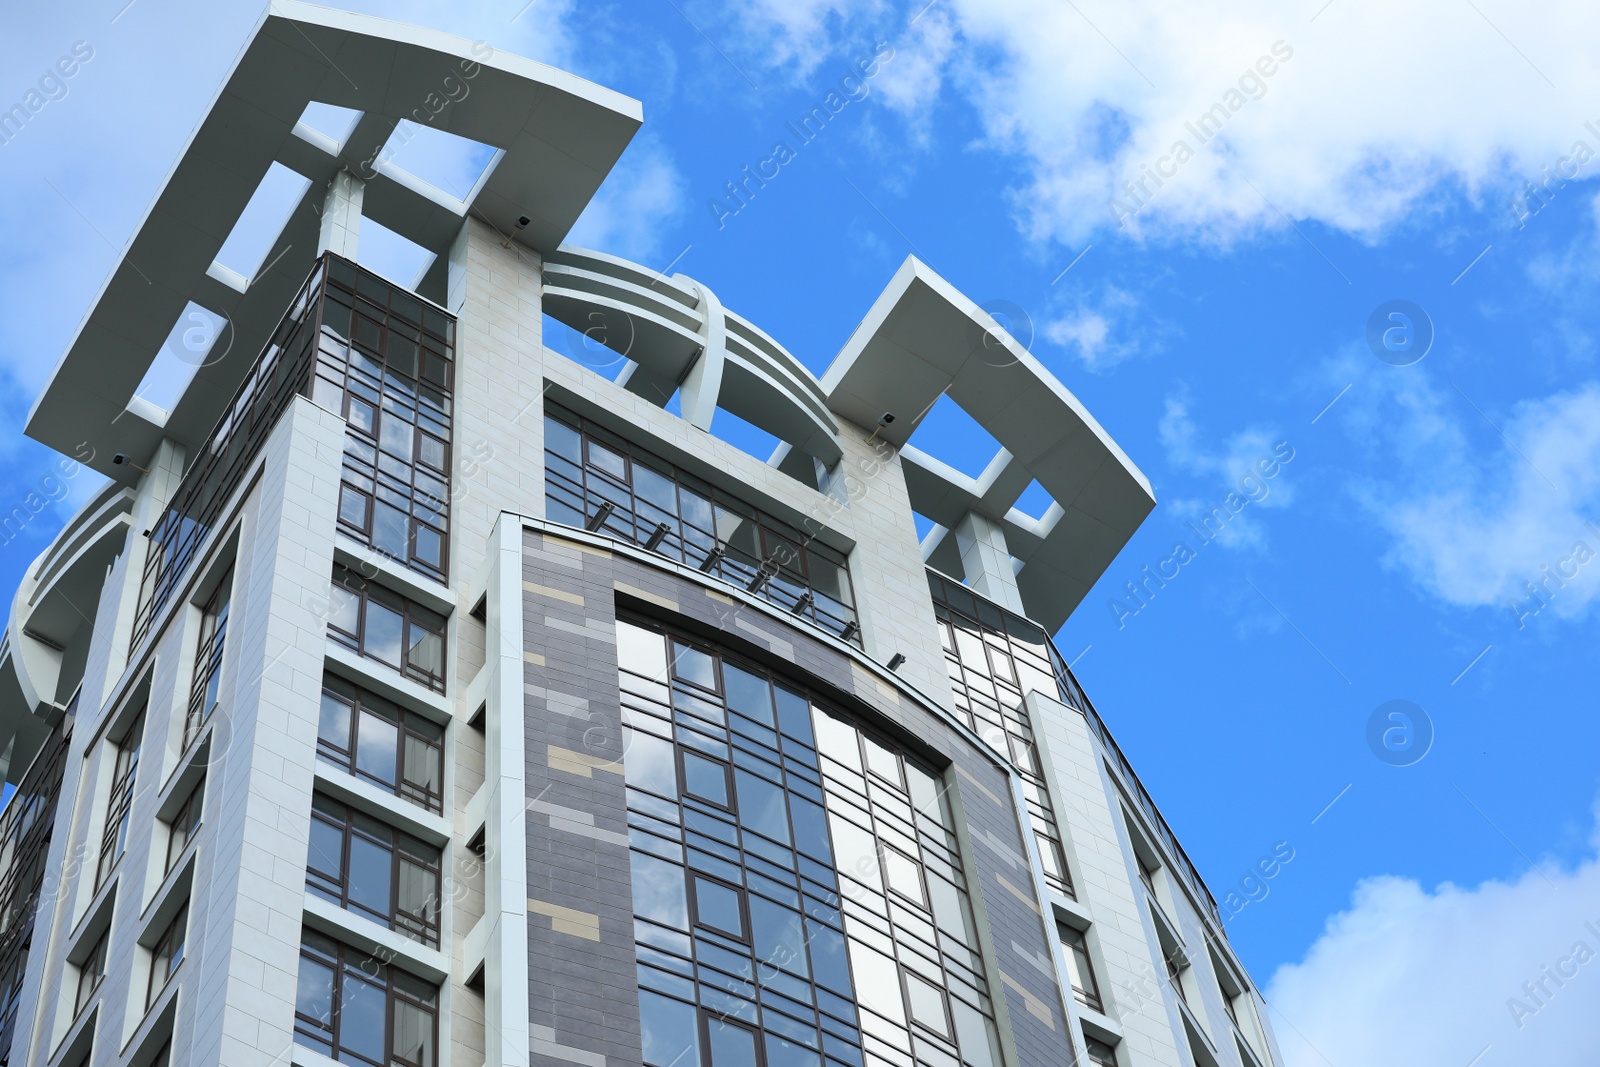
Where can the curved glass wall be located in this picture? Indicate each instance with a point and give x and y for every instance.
(798, 895)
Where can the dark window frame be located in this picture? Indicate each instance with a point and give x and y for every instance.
(91, 973)
(780, 567)
(690, 878)
(1076, 943)
(188, 820)
(1101, 1054)
(412, 615)
(172, 943)
(406, 723)
(731, 804)
(349, 963)
(205, 688)
(335, 888)
(119, 803)
(757, 1035)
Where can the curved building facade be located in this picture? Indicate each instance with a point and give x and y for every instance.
(415, 696)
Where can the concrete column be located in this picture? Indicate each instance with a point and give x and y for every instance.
(341, 215)
(697, 396)
(985, 560)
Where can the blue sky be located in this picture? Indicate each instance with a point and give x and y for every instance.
(1211, 322)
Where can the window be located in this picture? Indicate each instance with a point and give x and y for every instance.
(385, 362)
(114, 840)
(207, 683)
(90, 974)
(755, 815)
(184, 825)
(1147, 874)
(1100, 1053)
(361, 1010)
(166, 955)
(385, 626)
(995, 658)
(1176, 965)
(1081, 969)
(397, 750)
(372, 869)
(600, 482)
(719, 906)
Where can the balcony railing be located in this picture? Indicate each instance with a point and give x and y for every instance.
(379, 356)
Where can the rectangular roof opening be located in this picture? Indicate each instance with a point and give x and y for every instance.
(954, 438)
(187, 348)
(261, 221)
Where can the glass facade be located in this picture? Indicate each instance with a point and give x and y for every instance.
(383, 625)
(378, 741)
(384, 359)
(598, 481)
(995, 658)
(746, 801)
(360, 1009)
(371, 869)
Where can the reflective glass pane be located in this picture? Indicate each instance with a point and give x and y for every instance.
(658, 891)
(706, 779)
(927, 1005)
(333, 724)
(381, 640)
(376, 739)
(877, 982)
(371, 874)
(413, 1033)
(314, 993)
(362, 1017)
(749, 694)
(731, 1046)
(641, 651)
(828, 957)
(779, 936)
(344, 609)
(837, 738)
(718, 906)
(326, 852)
(784, 1053)
(762, 807)
(670, 1031)
(426, 652)
(693, 665)
(649, 763)
(794, 714)
(810, 829)
(603, 458)
(563, 440)
(904, 877)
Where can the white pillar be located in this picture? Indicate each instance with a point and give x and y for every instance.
(697, 395)
(985, 560)
(341, 215)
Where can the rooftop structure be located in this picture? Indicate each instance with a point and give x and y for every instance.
(414, 695)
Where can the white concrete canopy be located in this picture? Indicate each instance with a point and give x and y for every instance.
(558, 136)
(922, 338)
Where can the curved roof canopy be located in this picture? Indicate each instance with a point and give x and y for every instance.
(557, 137)
(922, 338)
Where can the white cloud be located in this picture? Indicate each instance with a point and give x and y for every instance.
(1098, 336)
(642, 195)
(1233, 467)
(1367, 110)
(1483, 505)
(1429, 979)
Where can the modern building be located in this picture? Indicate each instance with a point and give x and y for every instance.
(414, 694)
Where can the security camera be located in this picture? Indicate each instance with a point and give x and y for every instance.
(120, 458)
(522, 220)
(886, 418)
